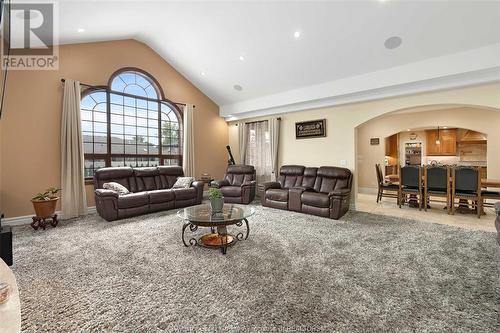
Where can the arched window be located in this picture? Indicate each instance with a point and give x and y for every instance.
(130, 123)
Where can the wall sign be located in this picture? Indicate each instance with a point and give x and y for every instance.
(374, 141)
(310, 129)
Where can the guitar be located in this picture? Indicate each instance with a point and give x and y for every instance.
(230, 161)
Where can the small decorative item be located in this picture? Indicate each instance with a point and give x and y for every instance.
(310, 129)
(216, 199)
(45, 207)
(4, 292)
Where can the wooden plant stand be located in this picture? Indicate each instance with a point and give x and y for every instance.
(42, 222)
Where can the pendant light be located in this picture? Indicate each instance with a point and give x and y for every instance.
(437, 140)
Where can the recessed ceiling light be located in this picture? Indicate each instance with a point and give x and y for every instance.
(203, 73)
(393, 42)
(445, 127)
(81, 30)
(296, 34)
(238, 87)
(408, 130)
(242, 58)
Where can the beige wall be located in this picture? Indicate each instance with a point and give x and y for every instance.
(30, 136)
(342, 123)
(481, 120)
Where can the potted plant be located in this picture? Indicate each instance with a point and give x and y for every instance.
(45, 203)
(216, 199)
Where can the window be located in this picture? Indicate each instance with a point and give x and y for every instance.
(130, 124)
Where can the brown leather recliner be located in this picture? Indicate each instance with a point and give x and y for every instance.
(151, 191)
(238, 185)
(323, 191)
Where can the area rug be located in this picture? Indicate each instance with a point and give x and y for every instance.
(295, 273)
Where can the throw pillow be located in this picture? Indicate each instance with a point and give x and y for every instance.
(115, 187)
(183, 182)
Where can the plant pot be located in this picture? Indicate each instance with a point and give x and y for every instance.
(217, 204)
(45, 208)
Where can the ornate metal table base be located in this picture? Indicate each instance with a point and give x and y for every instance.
(218, 238)
(42, 222)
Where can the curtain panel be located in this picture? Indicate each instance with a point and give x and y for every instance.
(73, 196)
(274, 136)
(258, 150)
(188, 142)
(242, 139)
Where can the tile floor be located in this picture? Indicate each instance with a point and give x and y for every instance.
(388, 206)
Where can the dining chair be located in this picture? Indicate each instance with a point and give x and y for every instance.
(466, 184)
(437, 184)
(410, 183)
(385, 189)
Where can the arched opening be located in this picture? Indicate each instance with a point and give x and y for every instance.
(475, 131)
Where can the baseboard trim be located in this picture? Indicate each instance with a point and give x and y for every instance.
(27, 219)
(367, 190)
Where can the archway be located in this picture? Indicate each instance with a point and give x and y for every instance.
(480, 119)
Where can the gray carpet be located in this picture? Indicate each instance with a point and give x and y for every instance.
(295, 273)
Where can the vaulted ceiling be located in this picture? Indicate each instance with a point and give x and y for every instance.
(218, 45)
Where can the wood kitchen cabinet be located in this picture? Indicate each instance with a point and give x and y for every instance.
(447, 142)
(391, 146)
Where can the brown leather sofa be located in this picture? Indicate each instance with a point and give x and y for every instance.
(323, 191)
(151, 191)
(238, 185)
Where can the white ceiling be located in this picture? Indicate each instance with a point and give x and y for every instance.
(339, 40)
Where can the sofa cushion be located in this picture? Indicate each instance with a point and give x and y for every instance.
(133, 200)
(276, 194)
(184, 193)
(239, 174)
(231, 191)
(168, 175)
(147, 179)
(315, 199)
(121, 175)
(291, 175)
(159, 196)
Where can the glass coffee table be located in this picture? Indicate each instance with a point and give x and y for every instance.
(218, 238)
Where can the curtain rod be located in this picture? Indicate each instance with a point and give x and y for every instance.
(259, 121)
(91, 86)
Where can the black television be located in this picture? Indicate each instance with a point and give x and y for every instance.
(5, 48)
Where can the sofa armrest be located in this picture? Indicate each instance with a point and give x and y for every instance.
(219, 183)
(251, 183)
(199, 186)
(267, 185)
(303, 188)
(106, 193)
(340, 193)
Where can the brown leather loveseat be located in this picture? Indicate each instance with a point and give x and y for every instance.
(238, 185)
(150, 187)
(323, 191)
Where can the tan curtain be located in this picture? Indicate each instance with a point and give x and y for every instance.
(73, 197)
(274, 136)
(242, 139)
(258, 152)
(188, 142)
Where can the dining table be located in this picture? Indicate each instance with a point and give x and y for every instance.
(463, 206)
(485, 182)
